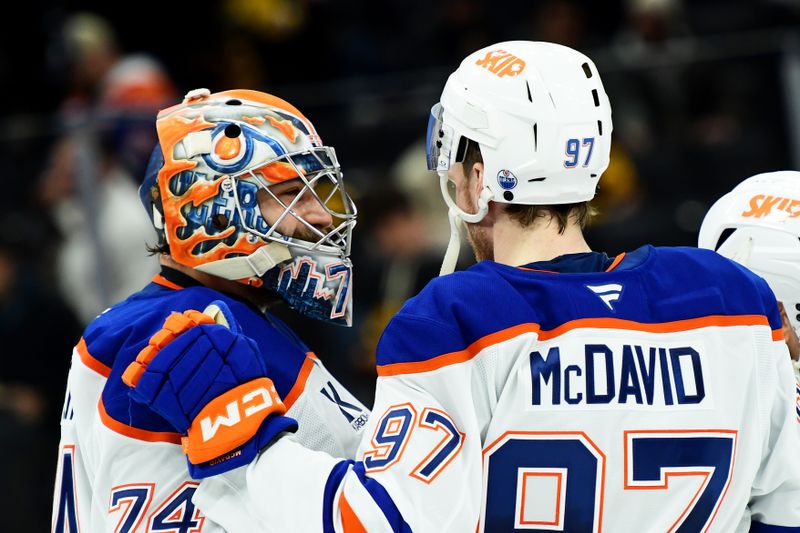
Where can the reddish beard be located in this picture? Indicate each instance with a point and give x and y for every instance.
(481, 244)
(479, 237)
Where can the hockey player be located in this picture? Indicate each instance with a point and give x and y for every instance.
(548, 387)
(757, 225)
(249, 206)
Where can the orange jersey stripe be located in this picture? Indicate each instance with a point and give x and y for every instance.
(161, 280)
(394, 369)
(350, 522)
(135, 433)
(612, 266)
(777, 335)
(300, 384)
(538, 270)
(661, 327)
(617, 260)
(91, 362)
(461, 356)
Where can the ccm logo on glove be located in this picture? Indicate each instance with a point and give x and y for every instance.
(231, 419)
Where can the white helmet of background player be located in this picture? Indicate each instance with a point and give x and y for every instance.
(541, 118)
(757, 224)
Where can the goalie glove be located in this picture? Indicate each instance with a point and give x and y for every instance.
(207, 379)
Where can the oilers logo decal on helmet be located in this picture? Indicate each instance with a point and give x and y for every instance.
(218, 159)
(506, 179)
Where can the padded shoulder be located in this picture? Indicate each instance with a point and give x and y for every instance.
(696, 282)
(658, 285)
(453, 311)
(113, 340)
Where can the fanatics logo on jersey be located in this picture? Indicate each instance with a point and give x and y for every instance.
(609, 293)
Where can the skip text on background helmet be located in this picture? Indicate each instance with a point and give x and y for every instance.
(757, 224)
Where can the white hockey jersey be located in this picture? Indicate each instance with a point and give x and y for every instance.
(651, 393)
(121, 468)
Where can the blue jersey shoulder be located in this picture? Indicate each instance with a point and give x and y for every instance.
(650, 285)
(116, 337)
(702, 281)
(451, 312)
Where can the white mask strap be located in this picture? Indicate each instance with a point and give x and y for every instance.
(246, 266)
(453, 246)
(457, 217)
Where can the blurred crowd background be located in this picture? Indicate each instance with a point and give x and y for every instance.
(704, 93)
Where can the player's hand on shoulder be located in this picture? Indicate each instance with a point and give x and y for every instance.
(208, 379)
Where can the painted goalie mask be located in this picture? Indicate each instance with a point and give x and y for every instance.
(240, 186)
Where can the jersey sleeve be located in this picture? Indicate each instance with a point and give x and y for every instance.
(330, 418)
(112, 476)
(775, 498)
(417, 468)
(72, 494)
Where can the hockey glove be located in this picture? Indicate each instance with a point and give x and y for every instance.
(209, 381)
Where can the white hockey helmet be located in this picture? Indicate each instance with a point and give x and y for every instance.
(757, 224)
(542, 120)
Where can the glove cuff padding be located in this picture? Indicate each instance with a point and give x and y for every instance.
(231, 419)
(270, 429)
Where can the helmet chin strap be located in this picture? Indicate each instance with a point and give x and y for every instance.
(457, 217)
(247, 266)
(454, 245)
